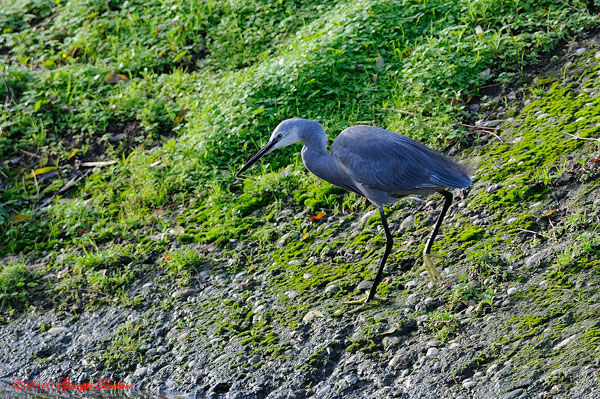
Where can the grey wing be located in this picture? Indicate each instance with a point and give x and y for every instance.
(388, 161)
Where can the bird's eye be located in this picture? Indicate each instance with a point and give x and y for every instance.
(279, 136)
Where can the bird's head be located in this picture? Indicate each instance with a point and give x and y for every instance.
(286, 133)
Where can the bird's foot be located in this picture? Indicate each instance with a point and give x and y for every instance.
(434, 275)
(364, 303)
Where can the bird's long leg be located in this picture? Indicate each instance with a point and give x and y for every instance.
(427, 255)
(378, 277)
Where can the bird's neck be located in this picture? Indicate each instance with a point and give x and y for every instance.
(317, 160)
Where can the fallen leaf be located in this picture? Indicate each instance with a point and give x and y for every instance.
(317, 217)
(305, 236)
(379, 62)
(114, 78)
(73, 153)
(41, 171)
(18, 218)
(311, 315)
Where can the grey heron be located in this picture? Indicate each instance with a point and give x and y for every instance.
(376, 163)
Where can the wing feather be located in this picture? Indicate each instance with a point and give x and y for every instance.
(390, 162)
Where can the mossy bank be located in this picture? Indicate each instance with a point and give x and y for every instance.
(128, 254)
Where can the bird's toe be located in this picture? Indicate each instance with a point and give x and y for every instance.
(434, 275)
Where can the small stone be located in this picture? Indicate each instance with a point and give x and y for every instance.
(410, 284)
(533, 260)
(433, 343)
(291, 294)
(454, 345)
(580, 51)
(396, 361)
(351, 379)
(389, 341)
(493, 123)
(492, 369)
(259, 309)
(564, 342)
(468, 383)
(367, 216)
(407, 222)
(57, 330)
(597, 54)
(512, 290)
(254, 359)
(364, 285)
(512, 220)
(512, 394)
(307, 276)
(295, 262)
(140, 372)
(332, 288)
(493, 188)
(311, 315)
(176, 231)
(432, 352)
(412, 299)
(475, 336)
(479, 375)
(182, 293)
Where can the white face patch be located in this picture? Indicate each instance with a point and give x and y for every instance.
(285, 137)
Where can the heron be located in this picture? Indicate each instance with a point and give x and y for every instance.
(378, 164)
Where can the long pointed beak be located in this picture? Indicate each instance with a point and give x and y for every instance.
(257, 156)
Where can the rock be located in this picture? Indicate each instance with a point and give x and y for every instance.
(351, 379)
(182, 293)
(307, 276)
(57, 330)
(291, 294)
(389, 341)
(432, 352)
(468, 383)
(433, 343)
(311, 315)
(364, 285)
(493, 123)
(140, 372)
(565, 342)
(580, 51)
(479, 375)
(512, 394)
(367, 216)
(533, 259)
(254, 359)
(406, 223)
(176, 231)
(259, 309)
(512, 290)
(332, 288)
(295, 262)
(454, 345)
(412, 299)
(493, 188)
(410, 284)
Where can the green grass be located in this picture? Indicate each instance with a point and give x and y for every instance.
(194, 87)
